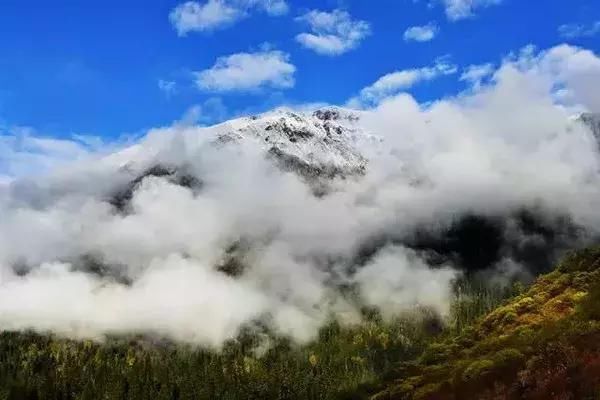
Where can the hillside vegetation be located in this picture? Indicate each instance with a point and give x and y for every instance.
(543, 344)
(254, 366)
(540, 343)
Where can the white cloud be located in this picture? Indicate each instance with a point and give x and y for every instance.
(475, 74)
(213, 14)
(573, 73)
(332, 33)
(422, 33)
(167, 87)
(195, 16)
(24, 152)
(248, 71)
(272, 7)
(395, 82)
(504, 147)
(572, 31)
(210, 111)
(461, 9)
(397, 278)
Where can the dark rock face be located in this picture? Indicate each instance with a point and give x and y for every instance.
(476, 243)
(233, 264)
(94, 265)
(122, 198)
(541, 241)
(473, 242)
(316, 176)
(317, 147)
(291, 163)
(293, 135)
(592, 120)
(332, 129)
(333, 114)
(327, 115)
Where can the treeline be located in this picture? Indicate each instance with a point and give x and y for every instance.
(251, 367)
(344, 362)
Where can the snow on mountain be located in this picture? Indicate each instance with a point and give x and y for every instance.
(325, 143)
(325, 139)
(317, 146)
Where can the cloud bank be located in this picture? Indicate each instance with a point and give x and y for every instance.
(398, 81)
(74, 262)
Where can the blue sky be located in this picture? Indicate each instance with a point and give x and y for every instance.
(116, 67)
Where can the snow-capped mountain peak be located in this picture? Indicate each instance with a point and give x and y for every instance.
(326, 138)
(317, 146)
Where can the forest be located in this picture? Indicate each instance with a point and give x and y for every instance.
(507, 342)
(343, 362)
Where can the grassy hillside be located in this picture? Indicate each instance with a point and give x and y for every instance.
(543, 344)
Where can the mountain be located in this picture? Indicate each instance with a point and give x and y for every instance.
(592, 121)
(330, 142)
(542, 344)
(325, 142)
(333, 143)
(318, 146)
(497, 341)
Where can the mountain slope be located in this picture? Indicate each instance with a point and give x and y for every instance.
(318, 146)
(168, 199)
(592, 121)
(328, 138)
(543, 344)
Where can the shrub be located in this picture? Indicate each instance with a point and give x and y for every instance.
(478, 370)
